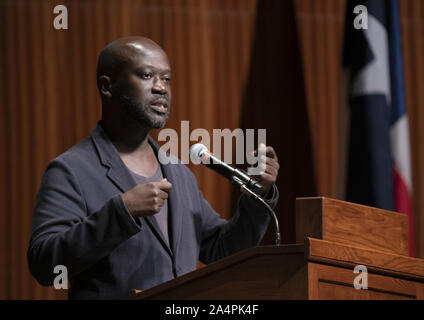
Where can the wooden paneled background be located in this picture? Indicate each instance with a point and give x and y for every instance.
(49, 100)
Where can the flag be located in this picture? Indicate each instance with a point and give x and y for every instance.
(379, 170)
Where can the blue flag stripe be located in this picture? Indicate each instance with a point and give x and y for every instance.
(396, 66)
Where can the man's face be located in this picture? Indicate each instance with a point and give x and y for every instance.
(144, 89)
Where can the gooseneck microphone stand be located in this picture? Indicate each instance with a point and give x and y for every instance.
(256, 197)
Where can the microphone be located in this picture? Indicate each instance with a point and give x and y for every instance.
(200, 154)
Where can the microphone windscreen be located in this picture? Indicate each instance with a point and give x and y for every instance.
(196, 152)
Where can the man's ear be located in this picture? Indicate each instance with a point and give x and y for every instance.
(105, 86)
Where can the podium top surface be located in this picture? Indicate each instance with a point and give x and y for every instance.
(352, 224)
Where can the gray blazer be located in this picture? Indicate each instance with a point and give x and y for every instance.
(80, 221)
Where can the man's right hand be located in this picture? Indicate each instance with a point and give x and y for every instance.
(146, 199)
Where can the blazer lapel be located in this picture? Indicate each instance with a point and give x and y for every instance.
(175, 206)
(151, 221)
(109, 157)
(119, 174)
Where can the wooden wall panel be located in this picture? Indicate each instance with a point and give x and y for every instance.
(49, 98)
(412, 25)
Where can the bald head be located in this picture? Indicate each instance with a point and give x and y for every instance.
(133, 78)
(121, 53)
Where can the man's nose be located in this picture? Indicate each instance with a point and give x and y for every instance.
(159, 86)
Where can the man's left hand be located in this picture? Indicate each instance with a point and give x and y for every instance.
(270, 174)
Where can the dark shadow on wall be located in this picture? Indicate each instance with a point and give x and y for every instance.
(275, 99)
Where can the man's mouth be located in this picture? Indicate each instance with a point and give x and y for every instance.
(160, 107)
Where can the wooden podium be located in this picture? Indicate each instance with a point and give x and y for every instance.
(333, 238)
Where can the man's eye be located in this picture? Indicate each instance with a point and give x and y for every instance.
(167, 79)
(145, 75)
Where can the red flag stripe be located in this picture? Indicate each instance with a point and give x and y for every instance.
(403, 205)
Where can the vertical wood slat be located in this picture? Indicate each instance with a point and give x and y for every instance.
(13, 249)
(418, 115)
(3, 163)
(76, 60)
(412, 23)
(26, 146)
(5, 160)
(320, 36)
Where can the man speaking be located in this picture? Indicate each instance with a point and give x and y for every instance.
(114, 216)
